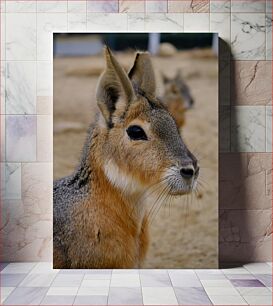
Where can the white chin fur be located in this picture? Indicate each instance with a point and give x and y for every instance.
(121, 180)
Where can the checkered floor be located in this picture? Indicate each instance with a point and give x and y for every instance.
(39, 284)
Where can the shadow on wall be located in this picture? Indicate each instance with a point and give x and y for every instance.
(235, 234)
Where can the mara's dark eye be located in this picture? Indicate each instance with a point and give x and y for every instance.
(135, 132)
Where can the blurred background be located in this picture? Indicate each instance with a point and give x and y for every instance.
(185, 233)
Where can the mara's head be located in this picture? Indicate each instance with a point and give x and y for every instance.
(177, 89)
(142, 145)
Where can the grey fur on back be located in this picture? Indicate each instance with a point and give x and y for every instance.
(70, 191)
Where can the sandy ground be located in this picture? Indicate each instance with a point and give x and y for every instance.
(185, 233)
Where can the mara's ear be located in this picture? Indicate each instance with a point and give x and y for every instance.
(142, 73)
(114, 90)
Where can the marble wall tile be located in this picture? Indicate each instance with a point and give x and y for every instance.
(44, 78)
(131, 6)
(103, 6)
(77, 6)
(160, 6)
(20, 36)
(12, 181)
(248, 129)
(224, 82)
(252, 83)
(245, 235)
(11, 230)
(268, 128)
(3, 6)
(20, 87)
(136, 22)
(77, 22)
(188, 6)
(21, 6)
(198, 22)
(243, 181)
(224, 128)
(220, 23)
(249, 6)
(37, 180)
(3, 88)
(25, 235)
(3, 36)
(220, 6)
(3, 138)
(58, 6)
(44, 138)
(163, 22)
(47, 23)
(44, 105)
(248, 36)
(101, 22)
(268, 6)
(20, 138)
(268, 23)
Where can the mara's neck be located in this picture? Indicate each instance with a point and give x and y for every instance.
(114, 198)
(93, 173)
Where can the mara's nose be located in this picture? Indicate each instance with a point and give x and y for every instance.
(188, 172)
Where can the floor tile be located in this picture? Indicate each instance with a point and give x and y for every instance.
(266, 279)
(26, 296)
(227, 300)
(96, 283)
(96, 276)
(254, 291)
(258, 299)
(154, 271)
(5, 292)
(188, 272)
(125, 280)
(3, 265)
(246, 283)
(98, 271)
(234, 271)
(86, 291)
(91, 300)
(221, 291)
(258, 268)
(210, 274)
(159, 296)
(125, 296)
(38, 280)
(16, 268)
(72, 271)
(11, 280)
(58, 300)
(216, 283)
(191, 296)
(67, 280)
(184, 280)
(125, 271)
(240, 276)
(155, 280)
(62, 291)
(44, 267)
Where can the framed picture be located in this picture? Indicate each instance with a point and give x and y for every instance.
(135, 150)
